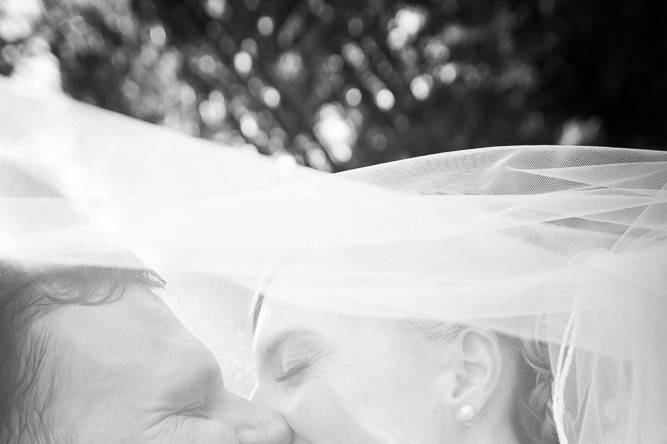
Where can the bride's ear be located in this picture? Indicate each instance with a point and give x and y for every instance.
(475, 374)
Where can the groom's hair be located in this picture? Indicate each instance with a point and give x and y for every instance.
(25, 295)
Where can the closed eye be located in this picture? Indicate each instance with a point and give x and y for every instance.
(193, 387)
(292, 355)
(292, 372)
(203, 410)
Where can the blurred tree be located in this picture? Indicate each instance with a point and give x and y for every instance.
(365, 81)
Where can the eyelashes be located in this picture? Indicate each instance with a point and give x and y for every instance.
(297, 360)
(292, 372)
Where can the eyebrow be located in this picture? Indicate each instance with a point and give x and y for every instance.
(283, 337)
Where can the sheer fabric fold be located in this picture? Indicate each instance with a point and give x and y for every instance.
(561, 244)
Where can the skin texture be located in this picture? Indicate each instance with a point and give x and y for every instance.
(339, 379)
(128, 371)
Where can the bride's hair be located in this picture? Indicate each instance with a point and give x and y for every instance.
(532, 415)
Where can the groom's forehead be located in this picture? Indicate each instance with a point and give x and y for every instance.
(122, 348)
(133, 331)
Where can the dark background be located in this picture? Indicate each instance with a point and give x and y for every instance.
(352, 83)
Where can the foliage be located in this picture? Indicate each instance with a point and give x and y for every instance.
(364, 81)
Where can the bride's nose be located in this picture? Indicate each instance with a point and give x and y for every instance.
(255, 424)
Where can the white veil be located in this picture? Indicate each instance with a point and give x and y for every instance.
(563, 245)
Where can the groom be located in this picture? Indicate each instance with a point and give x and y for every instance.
(91, 355)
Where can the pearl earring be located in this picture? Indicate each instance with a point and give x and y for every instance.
(465, 414)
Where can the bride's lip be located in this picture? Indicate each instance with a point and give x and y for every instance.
(255, 424)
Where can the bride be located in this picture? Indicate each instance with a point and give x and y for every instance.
(527, 319)
(338, 379)
(511, 294)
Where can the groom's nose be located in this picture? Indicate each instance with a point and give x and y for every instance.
(253, 423)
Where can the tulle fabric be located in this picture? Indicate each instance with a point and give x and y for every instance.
(565, 245)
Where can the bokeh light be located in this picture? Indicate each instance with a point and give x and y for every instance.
(214, 109)
(265, 26)
(290, 66)
(243, 62)
(385, 99)
(157, 35)
(447, 73)
(271, 97)
(335, 132)
(353, 96)
(421, 86)
(249, 126)
(406, 24)
(215, 8)
(338, 86)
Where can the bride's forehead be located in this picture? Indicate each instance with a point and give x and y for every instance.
(277, 316)
(276, 312)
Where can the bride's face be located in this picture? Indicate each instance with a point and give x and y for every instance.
(338, 379)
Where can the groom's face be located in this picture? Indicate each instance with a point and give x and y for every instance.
(128, 371)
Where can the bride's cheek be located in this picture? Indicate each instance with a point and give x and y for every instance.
(309, 412)
(319, 413)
